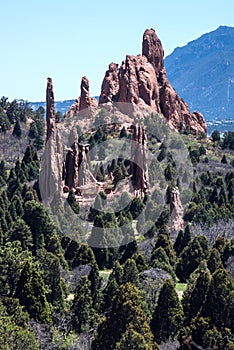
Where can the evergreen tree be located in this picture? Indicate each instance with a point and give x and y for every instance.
(17, 132)
(195, 296)
(83, 313)
(72, 202)
(130, 273)
(127, 310)
(196, 251)
(214, 261)
(51, 273)
(32, 295)
(182, 240)
(21, 232)
(37, 219)
(219, 304)
(123, 132)
(168, 314)
(133, 340)
(164, 242)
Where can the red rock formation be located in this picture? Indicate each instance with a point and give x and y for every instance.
(50, 109)
(110, 85)
(142, 80)
(138, 83)
(153, 50)
(139, 161)
(84, 103)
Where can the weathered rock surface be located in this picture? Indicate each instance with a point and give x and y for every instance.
(110, 85)
(176, 212)
(139, 161)
(153, 50)
(142, 80)
(50, 179)
(84, 103)
(50, 109)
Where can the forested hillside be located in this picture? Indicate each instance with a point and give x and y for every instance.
(152, 291)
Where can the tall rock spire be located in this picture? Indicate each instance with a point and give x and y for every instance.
(139, 161)
(50, 109)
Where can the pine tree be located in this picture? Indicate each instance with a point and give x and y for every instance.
(195, 296)
(32, 295)
(17, 129)
(168, 314)
(133, 340)
(219, 304)
(83, 313)
(21, 232)
(214, 261)
(127, 310)
(130, 273)
(196, 251)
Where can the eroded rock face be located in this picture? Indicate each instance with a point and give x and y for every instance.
(50, 179)
(176, 212)
(142, 80)
(50, 109)
(84, 105)
(110, 85)
(86, 102)
(138, 83)
(139, 161)
(153, 50)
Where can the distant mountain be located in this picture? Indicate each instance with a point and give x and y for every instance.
(61, 106)
(202, 72)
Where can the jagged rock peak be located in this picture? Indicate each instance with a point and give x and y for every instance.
(110, 85)
(153, 50)
(84, 103)
(50, 109)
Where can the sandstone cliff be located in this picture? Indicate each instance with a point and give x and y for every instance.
(142, 80)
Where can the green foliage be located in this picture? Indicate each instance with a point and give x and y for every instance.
(228, 140)
(168, 314)
(32, 294)
(17, 129)
(196, 251)
(195, 296)
(83, 313)
(14, 336)
(220, 294)
(37, 219)
(127, 310)
(73, 203)
(215, 135)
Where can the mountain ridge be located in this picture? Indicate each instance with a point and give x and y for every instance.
(195, 70)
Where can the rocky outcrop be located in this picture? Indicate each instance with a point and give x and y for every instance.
(85, 175)
(86, 102)
(110, 85)
(84, 105)
(50, 109)
(50, 179)
(176, 212)
(137, 82)
(142, 80)
(153, 50)
(139, 161)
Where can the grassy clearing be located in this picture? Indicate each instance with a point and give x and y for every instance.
(181, 287)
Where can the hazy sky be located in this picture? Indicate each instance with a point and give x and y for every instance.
(69, 39)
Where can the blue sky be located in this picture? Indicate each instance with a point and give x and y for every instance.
(69, 39)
